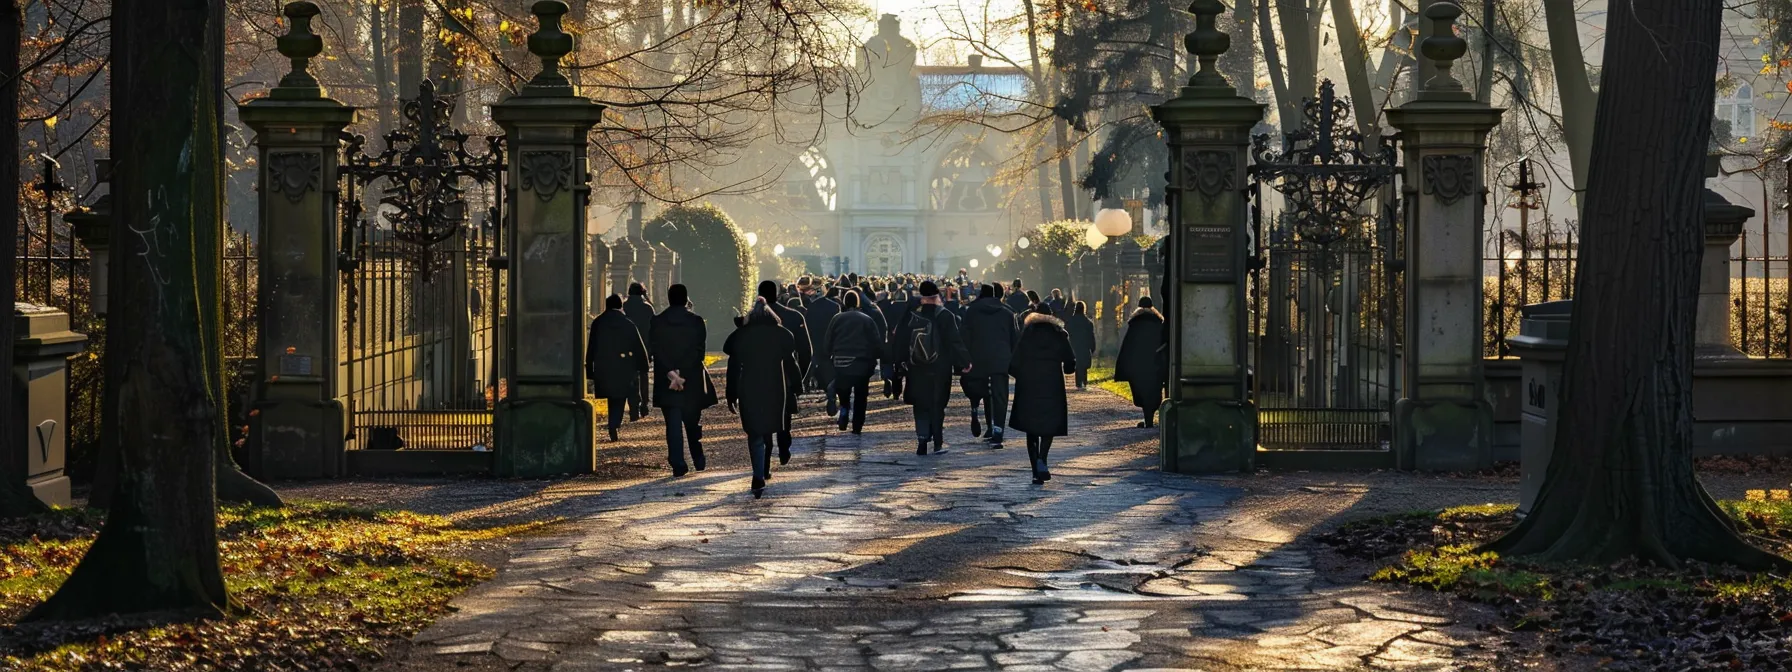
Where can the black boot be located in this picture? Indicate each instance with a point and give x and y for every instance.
(976, 426)
(697, 456)
(921, 449)
(613, 438)
(939, 445)
(758, 488)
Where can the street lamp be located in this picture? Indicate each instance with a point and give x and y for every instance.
(1023, 243)
(995, 250)
(752, 238)
(778, 250)
(1113, 222)
(973, 263)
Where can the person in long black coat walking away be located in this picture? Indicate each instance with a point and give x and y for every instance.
(819, 310)
(1141, 362)
(640, 312)
(929, 350)
(1039, 365)
(681, 386)
(1082, 341)
(990, 333)
(856, 344)
(1017, 297)
(792, 320)
(615, 359)
(761, 366)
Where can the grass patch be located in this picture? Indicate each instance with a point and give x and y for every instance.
(1103, 377)
(1629, 615)
(329, 587)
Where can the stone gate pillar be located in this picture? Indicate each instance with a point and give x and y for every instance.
(1443, 420)
(298, 427)
(1723, 225)
(544, 424)
(1209, 424)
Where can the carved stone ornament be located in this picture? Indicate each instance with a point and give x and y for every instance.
(1208, 171)
(545, 172)
(1450, 177)
(293, 173)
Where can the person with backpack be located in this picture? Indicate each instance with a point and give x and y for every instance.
(856, 343)
(928, 350)
(1082, 341)
(640, 312)
(990, 333)
(1039, 365)
(1142, 364)
(681, 386)
(761, 367)
(615, 359)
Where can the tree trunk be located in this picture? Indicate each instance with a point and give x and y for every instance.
(382, 66)
(1042, 85)
(1239, 63)
(1356, 71)
(1287, 110)
(1299, 49)
(15, 498)
(1620, 482)
(1044, 183)
(1395, 57)
(1484, 84)
(1572, 86)
(1066, 175)
(158, 551)
(410, 47)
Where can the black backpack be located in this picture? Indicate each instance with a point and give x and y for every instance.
(923, 341)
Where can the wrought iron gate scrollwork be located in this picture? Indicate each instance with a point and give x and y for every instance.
(423, 286)
(1326, 288)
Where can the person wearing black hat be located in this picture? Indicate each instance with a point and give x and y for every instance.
(929, 350)
(640, 311)
(990, 333)
(615, 359)
(681, 386)
(761, 367)
(793, 321)
(1039, 365)
(1082, 341)
(1141, 363)
(856, 344)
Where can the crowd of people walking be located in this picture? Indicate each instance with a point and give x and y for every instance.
(918, 335)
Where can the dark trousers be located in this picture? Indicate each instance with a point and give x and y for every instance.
(616, 404)
(1037, 448)
(930, 423)
(681, 423)
(761, 456)
(638, 400)
(1082, 376)
(853, 392)
(997, 401)
(831, 408)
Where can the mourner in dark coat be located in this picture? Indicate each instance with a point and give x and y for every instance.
(932, 329)
(990, 333)
(892, 304)
(1039, 365)
(640, 312)
(1082, 341)
(1017, 297)
(819, 310)
(761, 366)
(856, 344)
(1142, 364)
(681, 387)
(615, 360)
(792, 321)
(1059, 307)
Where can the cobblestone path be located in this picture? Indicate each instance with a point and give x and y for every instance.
(865, 556)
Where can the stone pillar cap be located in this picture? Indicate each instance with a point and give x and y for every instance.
(1544, 326)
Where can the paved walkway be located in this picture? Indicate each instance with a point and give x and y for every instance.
(864, 555)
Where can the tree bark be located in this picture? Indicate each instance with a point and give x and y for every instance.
(15, 498)
(1575, 90)
(1484, 83)
(1620, 482)
(1239, 63)
(1356, 71)
(410, 47)
(158, 551)
(1287, 109)
(382, 66)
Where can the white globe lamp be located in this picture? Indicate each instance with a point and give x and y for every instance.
(752, 239)
(1112, 222)
(973, 263)
(1023, 242)
(778, 250)
(995, 250)
(1093, 238)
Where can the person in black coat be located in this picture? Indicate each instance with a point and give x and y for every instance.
(931, 328)
(856, 344)
(681, 386)
(1039, 365)
(640, 312)
(1059, 307)
(819, 310)
(792, 321)
(1082, 341)
(761, 366)
(615, 359)
(1141, 361)
(990, 333)
(1017, 297)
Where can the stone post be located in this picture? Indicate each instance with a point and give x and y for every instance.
(42, 344)
(1443, 422)
(1541, 343)
(598, 256)
(544, 425)
(298, 424)
(665, 265)
(622, 264)
(93, 227)
(1209, 423)
(1723, 225)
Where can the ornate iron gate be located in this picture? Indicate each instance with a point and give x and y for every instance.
(1326, 297)
(423, 285)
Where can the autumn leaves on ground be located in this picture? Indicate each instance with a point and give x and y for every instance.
(322, 586)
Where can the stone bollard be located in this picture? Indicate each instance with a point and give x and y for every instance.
(1723, 225)
(93, 227)
(1541, 342)
(42, 344)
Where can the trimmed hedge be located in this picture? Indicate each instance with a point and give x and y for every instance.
(714, 262)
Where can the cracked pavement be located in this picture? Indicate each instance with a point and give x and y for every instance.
(864, 555)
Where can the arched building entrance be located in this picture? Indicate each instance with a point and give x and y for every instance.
(883, 254)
